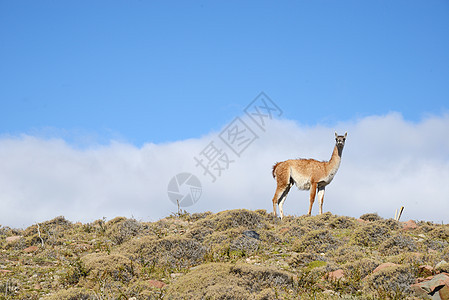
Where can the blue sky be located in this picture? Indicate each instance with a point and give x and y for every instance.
(103, 102)
(161, 71)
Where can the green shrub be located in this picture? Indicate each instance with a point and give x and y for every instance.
(370, 235)
(397, 244)
(389, 223)
(342, 223)
(238, 218)
(172, 251)
(370, 217)
(228, 281)
(121, 229)
(199, 233)
(317, 241)
(72, 294)
(347, 253)
(115, 266)
(441, 232)
(390, 283)
(246, 245)
(304, 258)
(50, 232)
(359, 269)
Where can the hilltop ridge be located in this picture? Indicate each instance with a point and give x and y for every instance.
(235, 254)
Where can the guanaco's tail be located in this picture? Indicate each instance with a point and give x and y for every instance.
(274, 169)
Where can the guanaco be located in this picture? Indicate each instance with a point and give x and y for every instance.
(307, 174)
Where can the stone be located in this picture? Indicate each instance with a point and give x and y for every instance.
(409, 225)
(31, 249)
(436, 287)
(252, 234)
(384, 266)
(336, 275)
(361, 221)
(12, 239)
(284, 230)
(442, 266)
(175, 275)
(425, 271)
(156, 283)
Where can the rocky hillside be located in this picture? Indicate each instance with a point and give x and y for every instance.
(237, 254)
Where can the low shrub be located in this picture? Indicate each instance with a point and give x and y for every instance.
(72, 294)
(441, 233)
(172, 251)
(50, 232)
(238, 218)
(121, 229)
(317, 241)
(370, 235)
(199, 233)
(246, 245)
(359, 269)
(397, 244)
(371, 217)
(342, 223)
(228, 281)
(304, 258)
(389, 223)
(390, 283)
(347, 253)
(115, 266)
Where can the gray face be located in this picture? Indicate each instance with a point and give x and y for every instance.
(340, 140)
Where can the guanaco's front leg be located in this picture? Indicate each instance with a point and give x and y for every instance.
(321, 198)
(312, 196)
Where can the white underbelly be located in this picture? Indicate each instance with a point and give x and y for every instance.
(302, 182)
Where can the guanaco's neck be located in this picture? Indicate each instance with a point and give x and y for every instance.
(334, 162)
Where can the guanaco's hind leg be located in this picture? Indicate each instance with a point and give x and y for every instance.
(312, 196)
(282, 175)
(321, 198)
(279, 198)
(282, 200)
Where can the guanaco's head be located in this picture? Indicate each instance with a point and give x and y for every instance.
(340, 140)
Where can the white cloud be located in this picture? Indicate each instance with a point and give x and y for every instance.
(387, 162)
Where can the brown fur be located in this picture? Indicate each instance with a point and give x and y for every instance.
(307, 174)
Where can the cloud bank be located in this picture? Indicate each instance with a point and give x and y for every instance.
(387, 163)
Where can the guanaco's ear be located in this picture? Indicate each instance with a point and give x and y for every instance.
(346, 134)
(336, 134)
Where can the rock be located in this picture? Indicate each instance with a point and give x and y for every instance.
(83, 247)
(384, 266)
(330, 293)
(252, 234)
(175, 275)
(442, 266)
(12, 239)
(409, 225)
(361, 221)
(284, 230)
(156, 283)
(336, 275)
(31, 249)
(436, 287)
(425, 271)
